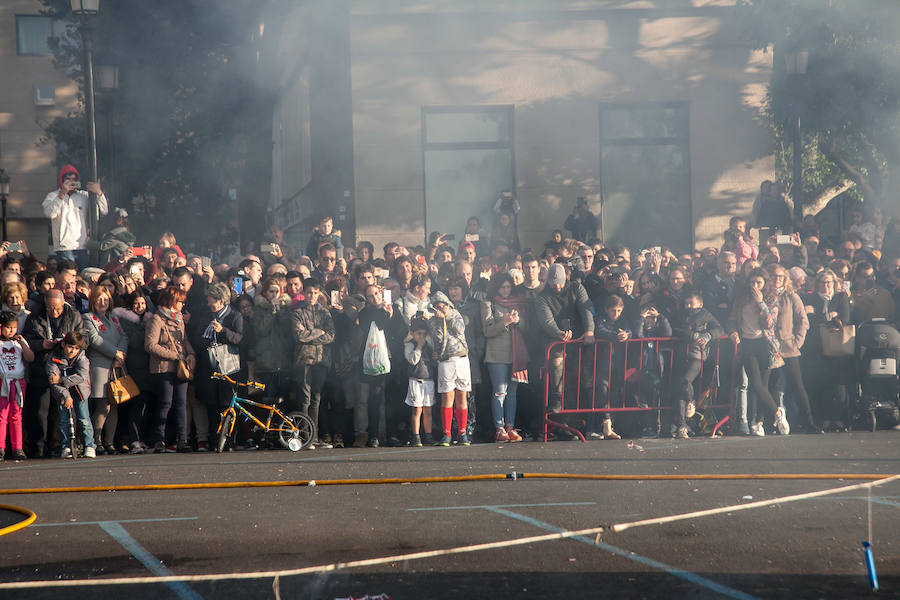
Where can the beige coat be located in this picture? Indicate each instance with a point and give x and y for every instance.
(166, 348)
(792, 324)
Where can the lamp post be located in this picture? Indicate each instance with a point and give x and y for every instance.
(795, 62)
(4, 193)
(86, 11)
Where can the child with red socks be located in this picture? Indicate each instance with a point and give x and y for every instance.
(448, 332)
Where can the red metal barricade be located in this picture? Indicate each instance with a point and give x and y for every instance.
(637, 375)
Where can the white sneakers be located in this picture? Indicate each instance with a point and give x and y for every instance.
(66, 453)
(757, 429)
(90, 452)
(781, 423)
(690, 409)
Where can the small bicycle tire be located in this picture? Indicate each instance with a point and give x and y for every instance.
(299, 428)
(224, 429)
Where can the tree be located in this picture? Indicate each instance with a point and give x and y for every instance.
(849, 100)
(188, 100)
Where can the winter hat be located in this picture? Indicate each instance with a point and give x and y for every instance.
(556, 275)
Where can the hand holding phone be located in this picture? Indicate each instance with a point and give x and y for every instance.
(387, 297)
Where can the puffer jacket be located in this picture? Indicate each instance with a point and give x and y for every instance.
(313, 331)
(448, 335)
(270, 344)
(695, 326)
(74, 373)
(792, 325)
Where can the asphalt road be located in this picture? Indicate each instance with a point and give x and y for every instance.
(804, 549)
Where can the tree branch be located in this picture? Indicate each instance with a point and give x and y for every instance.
(829, 149)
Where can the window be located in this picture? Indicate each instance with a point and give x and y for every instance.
(33, 33)
(645, 174)
(468, 160)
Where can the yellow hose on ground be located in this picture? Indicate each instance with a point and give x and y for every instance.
(448, 479)
(29, 518)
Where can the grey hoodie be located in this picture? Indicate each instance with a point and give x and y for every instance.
(449, 335)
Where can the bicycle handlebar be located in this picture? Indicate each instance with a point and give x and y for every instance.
(223, 377)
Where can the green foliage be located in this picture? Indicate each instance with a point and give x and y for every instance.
(848, 101)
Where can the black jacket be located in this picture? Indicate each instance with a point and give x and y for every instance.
(698, 325)
(38, 328)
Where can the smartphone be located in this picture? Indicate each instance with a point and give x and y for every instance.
(13, 247)
(387, 297)
(237, 284)
(335, 297)
(76, 185)
(206, 261)
(782, 239)
(657, 250)
(846, 287)
(449, 237)
(138, 251)
(267, 248)
(472, 237)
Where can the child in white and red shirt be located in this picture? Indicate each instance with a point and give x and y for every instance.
(14, 353)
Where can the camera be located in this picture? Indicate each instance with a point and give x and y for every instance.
(782, 239)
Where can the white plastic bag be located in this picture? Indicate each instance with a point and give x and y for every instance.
(376, 359)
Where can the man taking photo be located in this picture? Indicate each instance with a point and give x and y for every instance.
(68, 209)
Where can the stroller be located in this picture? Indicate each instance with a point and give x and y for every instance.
(877, 353)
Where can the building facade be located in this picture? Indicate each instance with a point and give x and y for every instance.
(33, 93)
(652, 111)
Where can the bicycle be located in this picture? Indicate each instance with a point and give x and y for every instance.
(295, 431)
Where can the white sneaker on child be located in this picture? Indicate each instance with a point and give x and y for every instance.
(690, 409)
(757, 429)
(781, 422)
(66, 453)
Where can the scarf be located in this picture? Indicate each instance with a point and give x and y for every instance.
(768, 319)
(171, 314)
(519, 351)
(210, 333)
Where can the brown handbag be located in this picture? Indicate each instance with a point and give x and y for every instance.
(837, 341)
(182, 371)
(122, 388)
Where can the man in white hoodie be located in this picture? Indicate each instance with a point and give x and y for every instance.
(68, 209)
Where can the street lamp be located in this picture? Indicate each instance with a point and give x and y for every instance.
(4, 193)
(86, 10)
(795, 62)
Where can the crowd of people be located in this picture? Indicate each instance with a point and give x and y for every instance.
(435, 344)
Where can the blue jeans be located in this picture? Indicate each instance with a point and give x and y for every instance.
(83, 416)
(503, 398)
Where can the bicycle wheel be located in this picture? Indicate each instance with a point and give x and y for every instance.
(224, 430)
(297, 431)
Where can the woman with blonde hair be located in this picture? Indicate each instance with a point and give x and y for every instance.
(14, 296)
(791, 329)
(106, 349)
